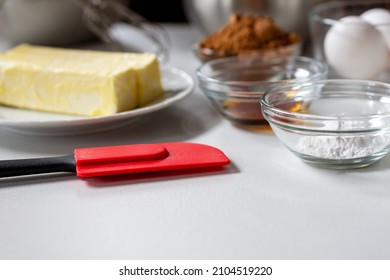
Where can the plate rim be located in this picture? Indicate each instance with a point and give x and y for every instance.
(134, 113)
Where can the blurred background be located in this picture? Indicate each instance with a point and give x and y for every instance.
(60, 22)
(163, 11)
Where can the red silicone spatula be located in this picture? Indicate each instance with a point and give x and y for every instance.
(116, 160)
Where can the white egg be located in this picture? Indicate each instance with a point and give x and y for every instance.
(376, 16)
(381, 19)
(355, 49)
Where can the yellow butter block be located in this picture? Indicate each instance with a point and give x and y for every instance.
(91, 83)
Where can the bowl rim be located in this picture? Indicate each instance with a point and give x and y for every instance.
(195, 47)
(284, 114)
(315, 10)
(323, 70)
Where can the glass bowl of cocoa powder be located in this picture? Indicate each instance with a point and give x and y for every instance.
(248, 35)
(235, 85)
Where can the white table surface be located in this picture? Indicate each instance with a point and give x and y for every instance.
(267, 205)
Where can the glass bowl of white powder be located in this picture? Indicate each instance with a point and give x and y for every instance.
(338, 124)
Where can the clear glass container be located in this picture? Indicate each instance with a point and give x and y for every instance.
(234, 85)
(353, 37)
(331, 123)
(205, 54)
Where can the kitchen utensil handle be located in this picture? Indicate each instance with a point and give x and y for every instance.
(19, 167)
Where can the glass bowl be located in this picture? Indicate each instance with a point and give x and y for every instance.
(234, 85)
(206, 54)
(353, 38)
(336, 124)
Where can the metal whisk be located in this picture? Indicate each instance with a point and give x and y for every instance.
(101, 15)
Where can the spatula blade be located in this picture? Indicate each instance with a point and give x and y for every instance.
(181, 155)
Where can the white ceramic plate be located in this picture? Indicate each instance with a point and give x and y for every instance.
(177, 84)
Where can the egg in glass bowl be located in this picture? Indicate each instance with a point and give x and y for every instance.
(353, 38)
(338, 124)
(234, 85)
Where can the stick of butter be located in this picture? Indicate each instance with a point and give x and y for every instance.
(90, 83)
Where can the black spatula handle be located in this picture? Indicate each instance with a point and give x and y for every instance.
(18, 167)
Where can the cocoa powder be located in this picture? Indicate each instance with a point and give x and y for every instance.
(248, 33)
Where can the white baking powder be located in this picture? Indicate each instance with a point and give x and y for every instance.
(338, 147)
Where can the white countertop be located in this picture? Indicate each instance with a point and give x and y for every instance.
(267, 205)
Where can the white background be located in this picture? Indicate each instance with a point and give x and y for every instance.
(267, 205)
(110, 269)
